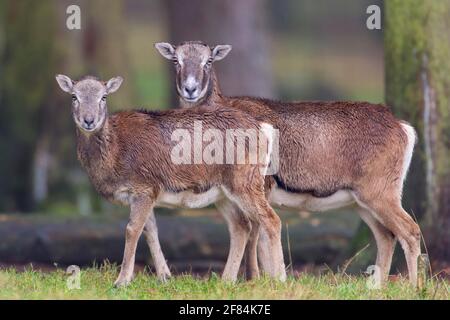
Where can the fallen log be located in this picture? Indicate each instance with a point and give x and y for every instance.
(186, 241)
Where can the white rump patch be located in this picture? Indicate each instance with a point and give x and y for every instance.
(411, 134)
(266, 154)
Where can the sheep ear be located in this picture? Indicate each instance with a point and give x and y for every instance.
(221, 51)
(166, 49)
(114, 84)
(65, 83)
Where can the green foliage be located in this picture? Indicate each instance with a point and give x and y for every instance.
(96, 283)
(25, 84)
(117, 39)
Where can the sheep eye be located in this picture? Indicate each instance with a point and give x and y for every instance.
(209, 62)
(74, 98)
(104, 98)
(175, 61)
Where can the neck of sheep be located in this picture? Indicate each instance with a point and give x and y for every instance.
(94, 149)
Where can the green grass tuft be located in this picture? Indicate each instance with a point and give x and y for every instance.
(97, 283)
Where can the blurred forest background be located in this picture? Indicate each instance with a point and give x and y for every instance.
(288, 49)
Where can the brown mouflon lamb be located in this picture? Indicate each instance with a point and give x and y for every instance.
(128, 158)
(331, 154)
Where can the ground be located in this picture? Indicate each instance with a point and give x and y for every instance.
(96, 283)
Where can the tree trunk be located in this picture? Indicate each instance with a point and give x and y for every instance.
(417, 48)
(247, 70)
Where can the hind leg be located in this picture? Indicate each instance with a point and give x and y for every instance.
(257, 208)
(263, 240)
(384, 239)
(252, 256)
(389, 212)
(239, 229)
(271, 225)
(263, 252)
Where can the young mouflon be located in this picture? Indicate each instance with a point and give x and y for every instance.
(331, 154)
(127, 156)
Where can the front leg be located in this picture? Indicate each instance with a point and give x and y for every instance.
(151, 235)
(140, 210)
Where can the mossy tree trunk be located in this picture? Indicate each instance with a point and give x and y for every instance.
(417, 48)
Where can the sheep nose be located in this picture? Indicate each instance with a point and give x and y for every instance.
(88, 122)
(190, 91)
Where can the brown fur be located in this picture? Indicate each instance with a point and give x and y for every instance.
(338, 145)
(127, 157)
(331, 146)
(114, 157)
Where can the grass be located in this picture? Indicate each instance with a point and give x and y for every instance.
(96, 283)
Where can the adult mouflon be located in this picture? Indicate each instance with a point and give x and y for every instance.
(127, 156)
(332, 154)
